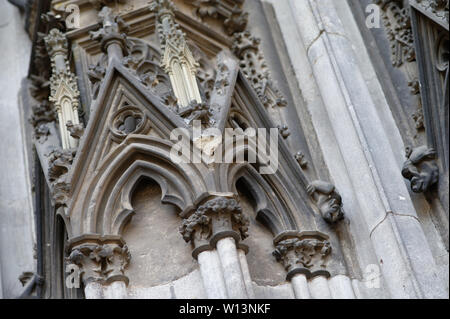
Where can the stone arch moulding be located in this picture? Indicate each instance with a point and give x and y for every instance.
(107, 207)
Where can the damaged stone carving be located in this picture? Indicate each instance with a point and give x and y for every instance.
(100, 3)
(421, 168)
(75, 130)
(233, 17)
(42, 112)
(60, 162)
(301, 160)
(438, 8)
(112, 33)
(327, 200)
(101, 262)
(96, 74)
(303, 253)
(236, 22)
(195, 111)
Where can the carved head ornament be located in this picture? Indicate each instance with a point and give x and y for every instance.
(421, 168)
(327, 199)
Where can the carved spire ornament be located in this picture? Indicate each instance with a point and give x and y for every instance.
(177, 59)
(64, 92)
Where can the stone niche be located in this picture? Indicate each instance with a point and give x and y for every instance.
(159, 255)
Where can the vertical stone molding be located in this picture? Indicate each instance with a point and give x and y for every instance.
(351, 128)
(177, 59)
(64, 92)
(102, 262)
(217, 226)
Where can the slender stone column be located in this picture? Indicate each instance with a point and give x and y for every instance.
(212, 276)
(93, 290)
(234, 278)
(304, 255)
(300, 285)
(116, 290)
(217, 226)
(101, 264)
(318, 286)
(341, 287)
(246, 273)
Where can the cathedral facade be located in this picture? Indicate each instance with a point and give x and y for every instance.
(241, 149)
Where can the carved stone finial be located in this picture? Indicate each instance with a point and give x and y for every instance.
(177, 59)
(303, 253)
(101, 262)
(421, 168)
(56, 43)
(218, 218)
(64, 92)
(327, 199)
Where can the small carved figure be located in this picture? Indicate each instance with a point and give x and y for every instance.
(327, 199)
(75, 130)
(421, 168)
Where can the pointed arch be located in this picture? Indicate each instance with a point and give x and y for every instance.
(107, 205)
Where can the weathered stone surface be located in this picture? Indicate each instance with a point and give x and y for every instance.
(103, 101)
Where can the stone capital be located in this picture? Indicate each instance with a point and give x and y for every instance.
(217, 218)
(100, 260)
(303, 253)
